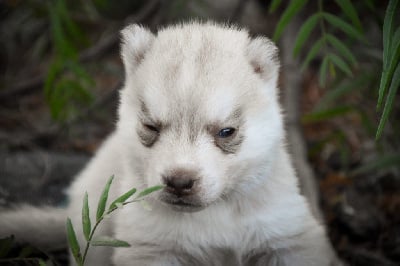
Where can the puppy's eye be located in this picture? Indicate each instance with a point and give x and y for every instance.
(226, 132)
(152, 128)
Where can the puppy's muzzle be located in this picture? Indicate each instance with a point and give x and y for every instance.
(180, 186)
(181, 189)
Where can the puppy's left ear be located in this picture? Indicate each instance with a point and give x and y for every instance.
(136, 41)
(263, 56)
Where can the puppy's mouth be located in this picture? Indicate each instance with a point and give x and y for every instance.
(182, 204)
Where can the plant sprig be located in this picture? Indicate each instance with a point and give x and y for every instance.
(336, 54)
(67, 83)
(101, 213)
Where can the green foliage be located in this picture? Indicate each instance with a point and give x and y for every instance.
(391, 63)
(342, 25)
(86, 224)
(348, 9)
(67, 81)
(101, 207)
(147, 191)
(120, 200)
(312, 53)
(101, 213)
(305, 32)
(335, 52)
(109, 242)
(341, 57)
(341, 48)
(73, 243)
(293, 8)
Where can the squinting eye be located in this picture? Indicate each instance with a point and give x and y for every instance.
(151, 128)
(226, 132)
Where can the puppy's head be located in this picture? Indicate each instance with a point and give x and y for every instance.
(199, 111)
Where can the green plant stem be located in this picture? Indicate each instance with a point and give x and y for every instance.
(111, 209)
(97, 224)
(90, 239)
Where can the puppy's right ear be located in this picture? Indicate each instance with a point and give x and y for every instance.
(136, 41)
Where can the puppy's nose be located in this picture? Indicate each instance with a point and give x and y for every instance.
(179, 185)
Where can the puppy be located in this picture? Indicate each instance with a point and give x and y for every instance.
(199, 113)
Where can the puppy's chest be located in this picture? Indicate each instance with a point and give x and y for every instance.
(202, 241)
(211, 245)
(217, 256)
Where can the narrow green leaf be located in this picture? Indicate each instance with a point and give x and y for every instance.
(304, 32)
(87, 227)
(41, 262)
(348, 9)
(388, 27)
(103, 199)
(326, 114)
(387, 72)
(340, 63)
(395, 42)
(109, 242)
(149, 190)
(122, 198)
(341, 48)
(293, 8)
(394, 86)
(274, 5)
(344, 26)
(73, 242)
(323, 71)
(312, 53)
(381, 162)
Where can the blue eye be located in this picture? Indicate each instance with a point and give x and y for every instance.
(226, 132)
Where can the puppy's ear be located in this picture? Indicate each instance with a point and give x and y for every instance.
(263, 56)
(136, 41)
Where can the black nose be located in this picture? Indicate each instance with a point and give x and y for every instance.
(179, 185)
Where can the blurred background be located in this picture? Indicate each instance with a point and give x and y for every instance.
(60, 72)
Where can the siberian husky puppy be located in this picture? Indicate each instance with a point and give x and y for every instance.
(199, 113)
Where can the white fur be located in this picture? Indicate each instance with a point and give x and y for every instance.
(189, 76)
